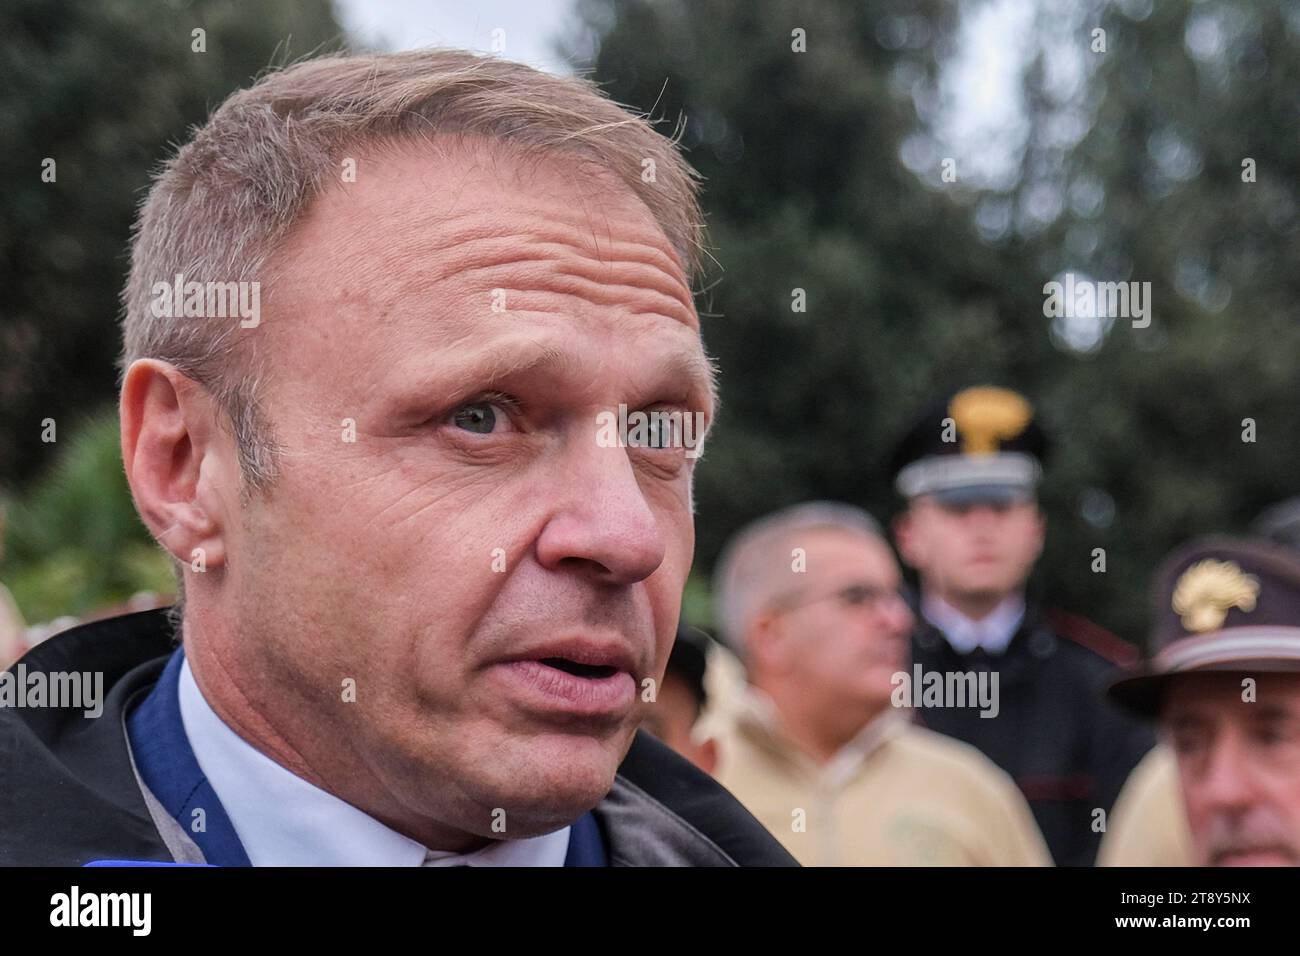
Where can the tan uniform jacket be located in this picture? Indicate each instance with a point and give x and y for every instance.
(1148, 826)
(898, 795)
(12, 629)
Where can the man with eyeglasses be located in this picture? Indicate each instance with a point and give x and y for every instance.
(816, 748)
(972, 529)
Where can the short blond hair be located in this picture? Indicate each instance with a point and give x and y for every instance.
(220, 207)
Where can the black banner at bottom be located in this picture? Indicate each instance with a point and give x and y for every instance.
(184, 904)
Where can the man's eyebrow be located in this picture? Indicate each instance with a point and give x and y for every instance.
(1187, 720)
(1271, 713)
(503, 359)
(522, 355)
(697, 367)
(490, 363)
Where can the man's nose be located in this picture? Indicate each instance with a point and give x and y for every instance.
(1228, 780)
(601, 523)
(897, 615)
(888, 615)
(982, 515)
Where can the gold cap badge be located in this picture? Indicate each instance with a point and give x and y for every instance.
(987, 416)
(1208, 589)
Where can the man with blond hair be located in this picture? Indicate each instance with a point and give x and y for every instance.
(377, 308)
(821, 746)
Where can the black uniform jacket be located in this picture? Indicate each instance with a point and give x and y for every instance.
(1068, 748)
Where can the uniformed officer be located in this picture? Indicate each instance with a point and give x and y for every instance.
(972, 530)
(1224, 681)
(1149, 825)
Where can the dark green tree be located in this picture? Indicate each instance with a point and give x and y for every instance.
(102, 88)
(1187, 177)
(806, 189)
(915, 285)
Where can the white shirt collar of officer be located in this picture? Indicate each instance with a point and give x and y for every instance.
(283, 820)
(992, 633)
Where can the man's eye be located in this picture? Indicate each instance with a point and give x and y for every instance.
(478, 417)
(857, 595)
(1273, 736)
(647, 430)
(659, 434)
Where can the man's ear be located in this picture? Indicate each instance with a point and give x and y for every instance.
(705, 755)
(1041, 526)
(175, 459)
(763, 644)
(904, 527)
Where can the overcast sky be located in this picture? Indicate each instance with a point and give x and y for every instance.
(983, 81)
(528, 25)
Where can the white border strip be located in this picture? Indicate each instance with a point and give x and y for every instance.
(945, 472)
(1235, 644)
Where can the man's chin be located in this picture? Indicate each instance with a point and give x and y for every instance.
(548, 781)
(986, 584)
(1255, 857)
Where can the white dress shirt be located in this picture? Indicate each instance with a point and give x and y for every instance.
(993, 632)
(282, 820)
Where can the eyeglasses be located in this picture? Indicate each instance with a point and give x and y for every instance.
(859, 595)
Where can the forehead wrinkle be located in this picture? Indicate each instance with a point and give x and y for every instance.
(396, 279)
(467, 228)
(539, 244)
(526, 215)
(530, 290)
(528, 243)
(549, 252)
(591, 227)
(430, 180)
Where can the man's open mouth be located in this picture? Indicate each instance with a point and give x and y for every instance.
(575, 679)
(1237, 855)
(592, 671)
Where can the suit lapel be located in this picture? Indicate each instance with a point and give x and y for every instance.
(167, 765)
(586, 845)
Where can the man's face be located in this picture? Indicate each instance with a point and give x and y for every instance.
(846, 630)
(1240, 766)
(987, 548)
(495, 582)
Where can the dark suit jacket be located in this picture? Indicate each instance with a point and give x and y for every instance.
(73, 789)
